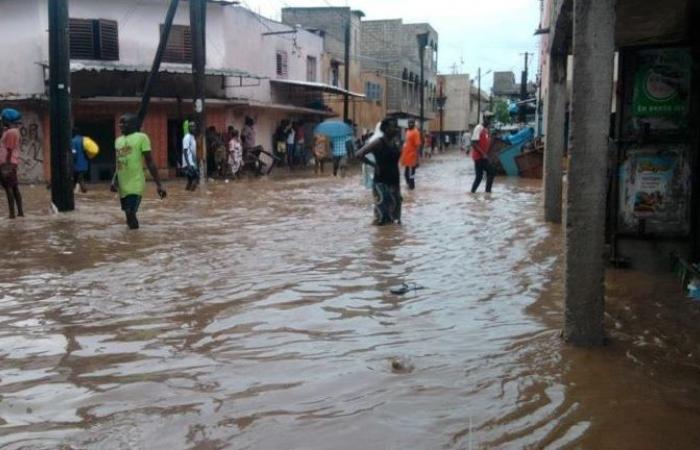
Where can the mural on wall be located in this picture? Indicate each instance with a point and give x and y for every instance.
(655, 187)
(31, 165)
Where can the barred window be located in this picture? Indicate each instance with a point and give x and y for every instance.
(310, 68)
(93, 39)
(281, 61)
(179, 46)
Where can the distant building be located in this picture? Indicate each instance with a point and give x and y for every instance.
(391, 47)
(505, 87)
(331, 23)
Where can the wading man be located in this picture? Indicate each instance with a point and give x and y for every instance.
(410, 154)
(481, 144)
(9, 159)
(132, 149)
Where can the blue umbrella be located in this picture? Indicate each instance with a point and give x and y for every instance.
(333, 129)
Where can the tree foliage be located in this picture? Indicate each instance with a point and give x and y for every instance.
(501, 112)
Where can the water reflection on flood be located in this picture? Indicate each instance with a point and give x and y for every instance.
(257, 315)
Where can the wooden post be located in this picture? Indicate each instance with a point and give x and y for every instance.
(60, 107)
(153, 76)
(198, 33)
(346, 97)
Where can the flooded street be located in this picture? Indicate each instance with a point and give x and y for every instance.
(258, 316)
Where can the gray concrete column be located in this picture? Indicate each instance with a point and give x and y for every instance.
(593, 50)
(555, 109)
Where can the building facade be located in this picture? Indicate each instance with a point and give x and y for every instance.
(112, 48)
(392, 47)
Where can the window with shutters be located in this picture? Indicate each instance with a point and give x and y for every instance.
(282, 69)
(93, 39)
(179, 46)
(310, 68)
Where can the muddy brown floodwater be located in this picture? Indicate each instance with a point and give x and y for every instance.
(258, 316)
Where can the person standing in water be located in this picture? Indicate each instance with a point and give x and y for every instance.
(80, 162)
(411, 153)
(189, 157)
(387, 177)
(9, 159)
(132, 149)
(481, 145)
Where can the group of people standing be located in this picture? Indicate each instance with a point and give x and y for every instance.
(290, 143)
(227, 155)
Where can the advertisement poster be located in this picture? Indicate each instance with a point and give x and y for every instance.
(652, 183)
(662, 83)
(655, 188)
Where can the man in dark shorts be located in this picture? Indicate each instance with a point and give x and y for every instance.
(9, 159)
(132, 149)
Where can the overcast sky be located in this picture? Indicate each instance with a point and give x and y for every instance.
(490, 34)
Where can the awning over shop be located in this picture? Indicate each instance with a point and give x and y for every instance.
(91, 79)
(311, 86)
(283, 107)
(96, 66)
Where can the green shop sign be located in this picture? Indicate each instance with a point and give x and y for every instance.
(662, 83)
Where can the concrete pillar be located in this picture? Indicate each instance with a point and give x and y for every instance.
(593, 49)
(554, 137)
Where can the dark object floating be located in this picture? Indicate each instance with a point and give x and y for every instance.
(404, 288)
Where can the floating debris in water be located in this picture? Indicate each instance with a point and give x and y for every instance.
(401, 365)
(403, 288)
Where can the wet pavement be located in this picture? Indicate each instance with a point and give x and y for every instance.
(257, 315)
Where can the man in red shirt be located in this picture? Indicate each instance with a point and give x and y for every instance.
(481, 145)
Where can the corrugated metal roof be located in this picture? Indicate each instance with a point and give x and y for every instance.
(319, 86)
(97, 66)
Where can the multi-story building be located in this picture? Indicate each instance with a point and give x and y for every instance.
(393, 48)
(112, 44)
(336, 25)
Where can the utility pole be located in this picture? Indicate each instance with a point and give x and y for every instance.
(422, 43)
(523, 89)
(346, 102)
(60, 107)
(153, 76)
(198, 11)
(441, 100)
(478, 97)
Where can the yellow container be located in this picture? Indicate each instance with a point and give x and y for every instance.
(91, 148)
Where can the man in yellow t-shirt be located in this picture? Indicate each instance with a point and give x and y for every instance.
(132, 149)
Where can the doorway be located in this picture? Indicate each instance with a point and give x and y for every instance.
(102, 132)
(175, 135)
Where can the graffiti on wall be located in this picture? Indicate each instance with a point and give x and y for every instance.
(31, 166)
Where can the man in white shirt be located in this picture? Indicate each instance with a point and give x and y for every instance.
(189, 157)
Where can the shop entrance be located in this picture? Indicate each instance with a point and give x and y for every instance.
(102, 132)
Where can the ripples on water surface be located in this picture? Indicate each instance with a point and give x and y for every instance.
(257, 316)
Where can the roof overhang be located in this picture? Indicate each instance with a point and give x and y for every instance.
(99, 66)
(282, 107)
(317, 87)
